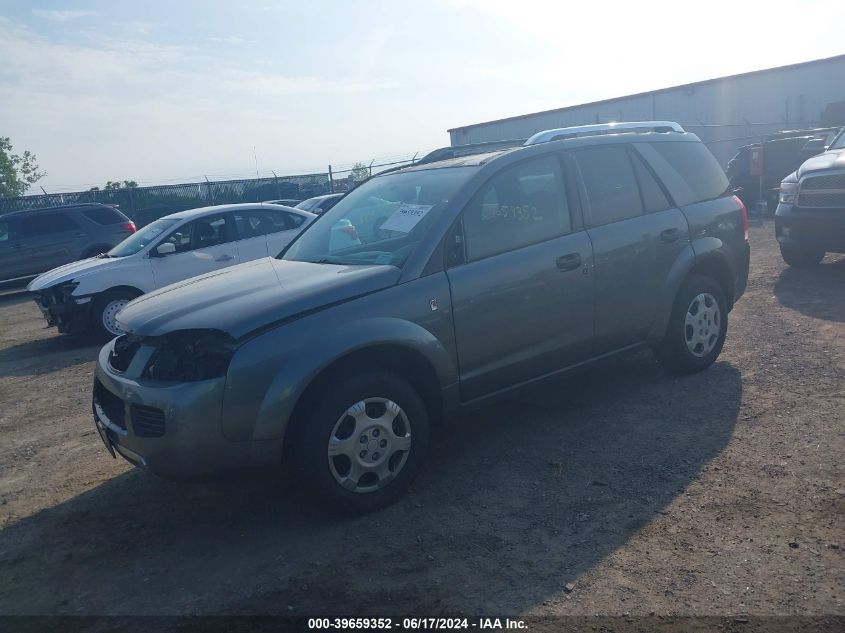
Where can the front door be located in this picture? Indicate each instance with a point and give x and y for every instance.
(49, 240)
(202, 246)
(522, 294)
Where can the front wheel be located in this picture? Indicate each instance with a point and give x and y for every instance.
(363, 442)
(801, 257)
(697, 327)
(105, 309)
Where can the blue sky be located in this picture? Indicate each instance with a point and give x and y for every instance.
(170, 91)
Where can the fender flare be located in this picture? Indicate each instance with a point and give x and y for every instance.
(262, 408)
(698, 252)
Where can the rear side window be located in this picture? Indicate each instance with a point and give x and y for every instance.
(696, 174)
(520, 205)
(260, 222)
(47, 224)
(102, 215)
(653, 197)
(610, 182)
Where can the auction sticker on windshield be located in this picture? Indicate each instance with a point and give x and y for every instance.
(406, 217)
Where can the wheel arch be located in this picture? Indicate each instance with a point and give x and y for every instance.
(707, 260)
(404, 361)
(272, 382)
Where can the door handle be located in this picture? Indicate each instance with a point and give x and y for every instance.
(80, 235)
(570, 261)
(223, 258)
(670, 235)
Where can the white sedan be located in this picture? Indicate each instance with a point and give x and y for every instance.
(89, 293)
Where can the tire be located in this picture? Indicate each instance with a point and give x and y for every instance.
(103, 309)
(697, 327)
(801, 257)
(365, 447)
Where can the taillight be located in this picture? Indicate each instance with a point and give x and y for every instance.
(744, 214)
(129, 227)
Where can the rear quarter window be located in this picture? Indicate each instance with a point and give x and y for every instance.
(688, 169)
(102, 216)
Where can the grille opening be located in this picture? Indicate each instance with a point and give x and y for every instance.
(111, 405)
(147, 421)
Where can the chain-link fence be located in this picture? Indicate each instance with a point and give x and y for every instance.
(145, 204)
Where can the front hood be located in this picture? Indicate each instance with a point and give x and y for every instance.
(829, 160)
(241, 299)
(70, 272)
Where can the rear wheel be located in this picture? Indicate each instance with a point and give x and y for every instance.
(801, 257)
(363, 442)
(697, 327)
(104, 310)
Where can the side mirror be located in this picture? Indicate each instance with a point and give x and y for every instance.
(168, 248)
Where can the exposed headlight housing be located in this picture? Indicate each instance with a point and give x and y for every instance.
(788, 192)
(190, 355)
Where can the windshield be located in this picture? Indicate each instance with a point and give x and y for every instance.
(382, 221)
(839, 141)
(138, 241)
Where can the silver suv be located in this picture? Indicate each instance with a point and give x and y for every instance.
(458, 281)
(32, 242)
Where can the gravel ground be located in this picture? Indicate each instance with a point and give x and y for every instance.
(621, 490)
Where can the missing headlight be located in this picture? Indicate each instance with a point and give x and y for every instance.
(190, 355)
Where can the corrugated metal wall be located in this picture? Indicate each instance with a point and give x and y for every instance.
(726, 113)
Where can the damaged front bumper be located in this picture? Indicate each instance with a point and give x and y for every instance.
(173, 429)
(62, 309)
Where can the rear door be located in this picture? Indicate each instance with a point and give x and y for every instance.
(202, 246)
(636, 234)
(521, 293)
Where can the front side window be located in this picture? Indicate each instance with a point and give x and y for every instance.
(203, 233)
(140, 240)
(611, 186)
(520, 205)
(382, 221)
(7, 231)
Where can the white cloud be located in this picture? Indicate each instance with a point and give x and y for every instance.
(61, 15)
(229, 39)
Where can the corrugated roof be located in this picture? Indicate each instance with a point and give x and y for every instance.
(653, 92)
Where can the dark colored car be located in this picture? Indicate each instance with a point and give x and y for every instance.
(777, 156)
(32, 242)
(466, 279)
(285, 202)
(320, 204)
(810, 218)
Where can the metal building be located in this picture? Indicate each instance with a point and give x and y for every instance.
(725, 113)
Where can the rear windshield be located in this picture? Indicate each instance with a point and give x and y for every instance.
(142, 238)
(103, 215)
(382, 221)
(696, 167)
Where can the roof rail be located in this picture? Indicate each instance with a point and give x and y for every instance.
(603, 128)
